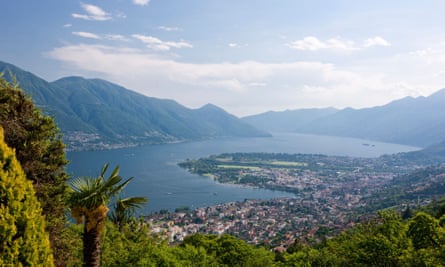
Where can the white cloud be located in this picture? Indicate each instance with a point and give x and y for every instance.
(424, 52)
(308, 43)
(341, 44)
(242, 88)
(112, 37)
(257, 84)
(237, 45)
(376, 41)
(92, 13)
(422, 67)
(87, 35)
(250, 87)
(141, 2)
(116, 37)
(169, 29)
(312, 43)
(68, 25)
(157, 44)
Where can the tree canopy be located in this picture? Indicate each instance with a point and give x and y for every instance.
(88, 203)
(23, 240)
(38, 145)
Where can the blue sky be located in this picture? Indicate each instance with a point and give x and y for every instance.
(246, 56)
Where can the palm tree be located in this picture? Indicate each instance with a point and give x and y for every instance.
(88, 203)
(124, 210)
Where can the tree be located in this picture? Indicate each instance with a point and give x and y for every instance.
(425, 232)
(88, 203)
(381, 241)
(407, 213)
(229, 251)
(39, 149)
(125, 209)
(23, 240)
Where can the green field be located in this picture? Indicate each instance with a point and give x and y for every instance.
(289, 163)
(238, 167)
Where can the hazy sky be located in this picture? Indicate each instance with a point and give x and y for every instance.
(246, 56)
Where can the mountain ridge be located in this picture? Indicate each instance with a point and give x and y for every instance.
(416, 121)
(97, 114)
(92, 111)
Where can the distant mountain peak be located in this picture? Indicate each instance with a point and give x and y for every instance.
(416, 121)
(210, 106)
(95, 113)
(440, 94)
(71, 78)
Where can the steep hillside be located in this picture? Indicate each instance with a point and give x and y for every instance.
(94, 113)
(415, 188)
(413, 121)
(289, 120)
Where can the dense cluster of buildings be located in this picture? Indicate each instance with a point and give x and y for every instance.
(323, 207)
(328, 190)
(273, 223)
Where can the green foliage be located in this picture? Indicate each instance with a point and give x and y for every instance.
(88, 203)
(72, 235)
(385, 240)
(23, 240)
(125, 209)
(230, 251)
(425, 232)
(40, 151)
(127, 246)
(309, 257)
(436, 207)
(188, 255)
(132, 245)
(92, 192)
(422, 183)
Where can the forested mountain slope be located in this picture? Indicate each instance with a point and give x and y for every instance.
(94, 113)
(413, 121)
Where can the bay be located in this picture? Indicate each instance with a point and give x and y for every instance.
(167, 186)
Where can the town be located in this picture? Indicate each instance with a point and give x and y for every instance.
(328, 192)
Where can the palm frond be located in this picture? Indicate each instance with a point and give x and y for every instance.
(104, 169)
(132, 202)
(77, 184)
(124, 210)
(91, 193)
(115, 172)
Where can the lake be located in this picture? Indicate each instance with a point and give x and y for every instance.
(167, 186)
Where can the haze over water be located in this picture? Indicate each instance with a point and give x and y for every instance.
(158, 177)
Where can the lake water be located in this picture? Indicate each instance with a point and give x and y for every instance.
(158, 177)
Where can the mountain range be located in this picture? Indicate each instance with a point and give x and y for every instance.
(412, 121)
(96, 114)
